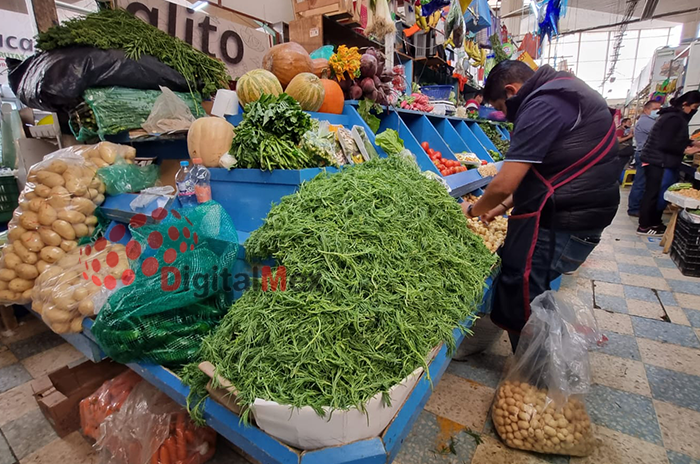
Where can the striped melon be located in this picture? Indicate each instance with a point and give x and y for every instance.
(253, 84)
(308, 90)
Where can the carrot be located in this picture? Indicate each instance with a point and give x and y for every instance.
(189, 436)
(164, 455)
(154, 458)
(181, 441)
(172, 448)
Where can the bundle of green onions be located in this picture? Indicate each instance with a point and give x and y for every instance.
(381, 268)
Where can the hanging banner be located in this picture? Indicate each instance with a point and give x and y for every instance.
(242, 48)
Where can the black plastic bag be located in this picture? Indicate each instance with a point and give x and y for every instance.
(55, 80)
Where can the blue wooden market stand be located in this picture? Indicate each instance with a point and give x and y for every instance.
(246, 195)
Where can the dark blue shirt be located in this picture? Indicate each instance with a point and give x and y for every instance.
(539, 123)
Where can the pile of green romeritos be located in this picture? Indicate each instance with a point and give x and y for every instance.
(270, 134)
(492, 133)
(118, 29)
(380, 267)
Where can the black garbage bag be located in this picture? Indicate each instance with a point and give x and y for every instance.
(55, 80)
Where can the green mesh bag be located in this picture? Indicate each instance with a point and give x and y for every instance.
(118, 109)
(127, 178)
(179, 290)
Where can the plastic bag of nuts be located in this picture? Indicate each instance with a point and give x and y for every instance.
(538, 406)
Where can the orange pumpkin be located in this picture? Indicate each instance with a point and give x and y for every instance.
(334, 100)
(286, 60)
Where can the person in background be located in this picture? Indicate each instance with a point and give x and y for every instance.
(641, 131)
(625, 134)
(474, 103)
(664, 149)
(560, 177)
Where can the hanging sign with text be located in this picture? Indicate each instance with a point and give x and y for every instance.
(242, 48)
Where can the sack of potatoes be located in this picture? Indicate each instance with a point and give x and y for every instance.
(56, 209)
(538, 405)
(525, 418)
(68, 291)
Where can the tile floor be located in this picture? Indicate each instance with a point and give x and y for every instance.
(645, 401)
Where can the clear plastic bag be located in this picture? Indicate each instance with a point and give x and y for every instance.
(454, 24)
(56, 210)
(538, 406)
(78, 284)
(106, 400)
(169, 113)
(320, 143)
(151, 428)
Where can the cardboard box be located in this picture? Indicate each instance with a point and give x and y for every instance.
(59, 393)
(335, 8)
(307, 32)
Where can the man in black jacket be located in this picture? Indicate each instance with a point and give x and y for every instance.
(662, 156)
(559, 175)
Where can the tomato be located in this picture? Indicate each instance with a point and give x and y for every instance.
(463, 168)
(439, 154)
(436, 162)
(425, 146)
(429, 150)
(443, 172)
(484, 162)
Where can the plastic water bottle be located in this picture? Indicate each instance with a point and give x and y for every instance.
(202, 181)
(185, 185)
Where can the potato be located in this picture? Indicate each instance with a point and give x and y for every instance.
(92, 193)
(58, 166)
(82, 205)
(54, 314)
(30, 195)
(100, 163)
(76, 186)
(91, 150)
(35, 204)
(47, 215)
(49, 237)
(51, 254)
(27, 271)
(99, 199)
(50, 179)
(32, 241)
(69, 261)
(41, 266)
(64, 302)
(101, 188)
(20, 285)
(108, 151)
(4, 285)
(80, 294)
(73, 217)
(67, 277)
(91, 221)
(42, 191)
(50, 273)
(27, 256)
(12, 260)
(8, 248)
(76, 325)
(6, 275)
(16, 233)
(86, 308)
(64, 229)
(81, 230)
(8, 295)
(29, 220)
(68, 245)
(129, 152)
(91, 230)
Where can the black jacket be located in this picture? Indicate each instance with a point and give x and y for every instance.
(668, 139)
(590, 200)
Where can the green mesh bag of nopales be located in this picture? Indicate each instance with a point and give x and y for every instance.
(179, 293)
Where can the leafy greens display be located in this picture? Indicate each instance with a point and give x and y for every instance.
(270, 133)
(380, 267)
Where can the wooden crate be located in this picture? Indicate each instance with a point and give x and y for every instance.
(308, 32)
(337, 9)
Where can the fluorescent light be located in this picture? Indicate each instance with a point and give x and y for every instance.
(199, 5)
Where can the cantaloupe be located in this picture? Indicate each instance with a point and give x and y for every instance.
(253, 84)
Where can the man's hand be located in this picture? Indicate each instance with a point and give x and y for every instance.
(499, 210)
(465, 206)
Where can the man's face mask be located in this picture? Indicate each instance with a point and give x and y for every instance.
(654, 114)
